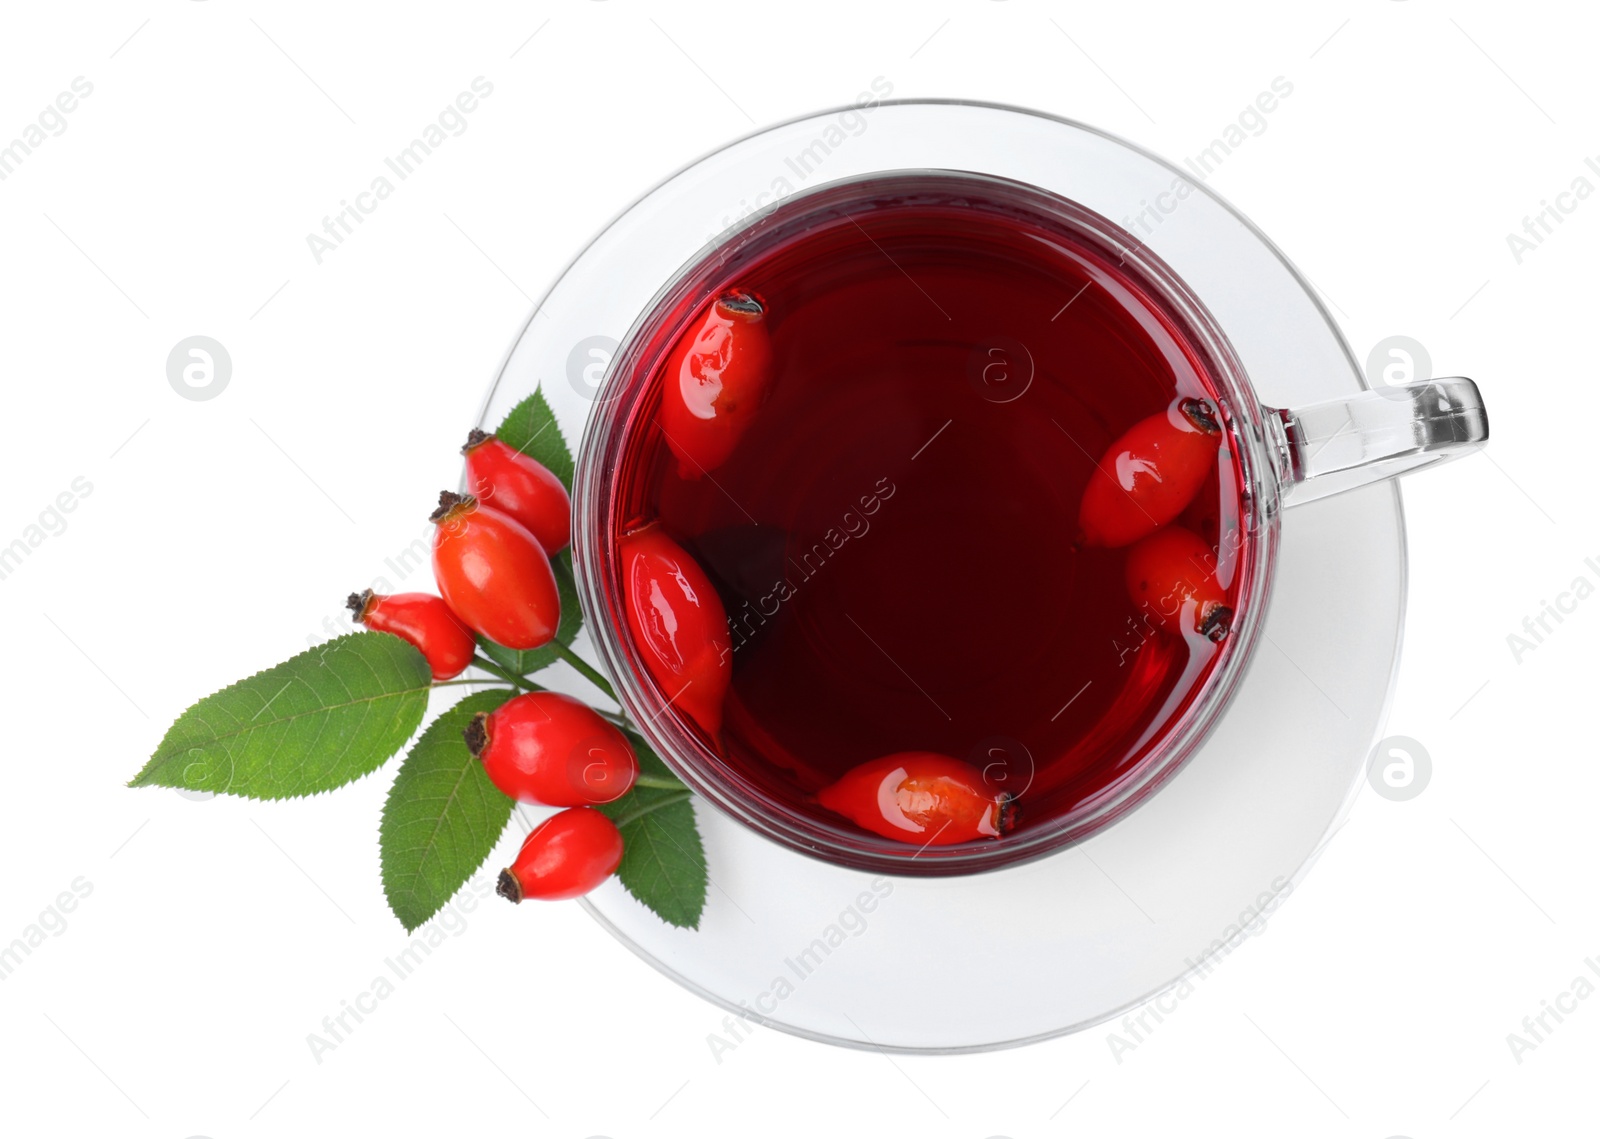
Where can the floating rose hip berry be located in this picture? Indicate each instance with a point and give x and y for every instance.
(921, 797)
(543, 747)
(1172, 576)
(1147, 477)
(716, 380)
(422, 619)
(678, 622)
(503, 478)
(493, 573)
(565, 856)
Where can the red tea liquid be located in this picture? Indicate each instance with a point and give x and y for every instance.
(894, 537)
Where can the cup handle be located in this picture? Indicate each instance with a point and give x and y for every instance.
(1339, 445)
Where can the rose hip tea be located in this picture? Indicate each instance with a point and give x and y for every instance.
(928, 521)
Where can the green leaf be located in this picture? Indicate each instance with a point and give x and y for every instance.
(664, 864)
(531, 428)
(526, 662)
(313, 723)
(663, 861)
(442, 817)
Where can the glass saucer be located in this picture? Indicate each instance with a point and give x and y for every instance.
(1076, 938)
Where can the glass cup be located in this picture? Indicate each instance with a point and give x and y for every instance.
(1286, 456)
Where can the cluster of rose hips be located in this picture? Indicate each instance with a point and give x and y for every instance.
(1146, 479)
(491, 562)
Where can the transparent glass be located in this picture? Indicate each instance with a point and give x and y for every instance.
(1309, 453)
(1150, 907)
(1345, 443)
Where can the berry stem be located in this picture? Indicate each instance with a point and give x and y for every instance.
(464, 680)
(664, 801)
(493, 669)
(620, 721)
(522, 682)
(593, 675)
(640, 744)
(660, 782)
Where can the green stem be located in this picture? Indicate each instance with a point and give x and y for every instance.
(487, 665)
(453, 683)
(660, 782)
(593, 675)
(510, 677)
(643, 745)
(664, 801)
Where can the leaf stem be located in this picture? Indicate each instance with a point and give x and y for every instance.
(664, 801)
(593, 675)
(464, 680)
(510, 677)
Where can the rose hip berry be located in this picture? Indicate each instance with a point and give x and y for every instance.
(543, 747)
(678, 622)
(1172, 576)
(565, 856)
(716, 380)
(493, 573)
(505, 479)
(1150, 474)
(422, 619)
(921, 797)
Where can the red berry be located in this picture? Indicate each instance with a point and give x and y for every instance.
(716, 379)
(494, 574)
(1172, 576)
(565, 856)
(425, 621)
(678, 622)
(543, 747)
(502, 477)
(1147, 477)
(921, 797)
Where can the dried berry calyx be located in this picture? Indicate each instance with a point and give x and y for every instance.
(451, 503)
(1200, 413)
(508, 887)
(741, 303)
(476, 734)
(1217, 624)
(358, 603)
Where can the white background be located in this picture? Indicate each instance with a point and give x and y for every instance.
(220, 534)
